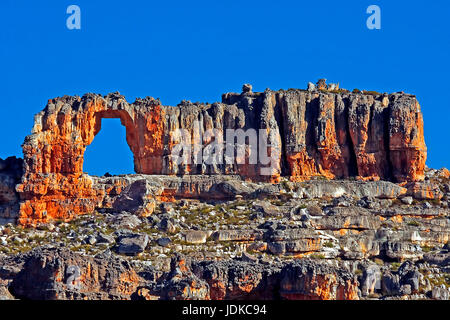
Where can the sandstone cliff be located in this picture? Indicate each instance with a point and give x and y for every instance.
(316, 133)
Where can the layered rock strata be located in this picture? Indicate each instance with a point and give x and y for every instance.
(316, 239)
(307, 134)
(60, 274)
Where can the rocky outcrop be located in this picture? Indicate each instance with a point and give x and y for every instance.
(10, 174)
(57, 273)
(317, 133)
(137, 198)
(293, 240)
(342, 135)
(300, 280)
(339, 206)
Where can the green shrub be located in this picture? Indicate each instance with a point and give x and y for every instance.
(286, 186)
(378, 261)
(395, 265)
(426, 248)
(328, 244)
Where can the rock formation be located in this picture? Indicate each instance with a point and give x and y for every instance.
(49, 274)
(10, 175)
(320, 133)
(338, 206)
(234, 239)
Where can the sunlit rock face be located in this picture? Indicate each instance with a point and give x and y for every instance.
(340, 135)
(309, 134)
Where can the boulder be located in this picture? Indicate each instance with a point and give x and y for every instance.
(123, 220)
(390, 284)
(196, 236)
(407, 200)
(237, 235)
(311, 86)
(163, 242)
(439, 293)
(167, 225)
(132, 244)
(440, 258)
(268, 209)
(137, 198)
(424, 191)
(401, 250)
(371, 279)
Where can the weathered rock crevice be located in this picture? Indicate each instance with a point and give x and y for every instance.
(279, 117)
(351, 155)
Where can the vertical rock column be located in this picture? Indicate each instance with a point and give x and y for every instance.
(339, 135)
(309, 134)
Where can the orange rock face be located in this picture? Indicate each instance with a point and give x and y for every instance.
(308, 134)
(343, 135)
(56, 196)
(321, 287)
(54, 186)
(406, 140)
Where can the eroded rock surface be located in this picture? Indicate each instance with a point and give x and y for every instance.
(319, 133)
(348, 212)
(294, 240)
(58, 273)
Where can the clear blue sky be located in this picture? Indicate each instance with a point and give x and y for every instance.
(197, 50)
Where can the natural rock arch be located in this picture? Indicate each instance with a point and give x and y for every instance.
(320, 134)
(54, 185)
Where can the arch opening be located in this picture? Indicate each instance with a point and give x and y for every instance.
(109, 152)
